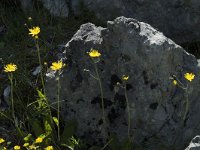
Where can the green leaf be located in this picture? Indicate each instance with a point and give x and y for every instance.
(42, 136)
(27, 138)
(114, 144)
(68, 131)
(48, 128)
(41, 99)
(56, 121)
(70, 147)
(36, 127)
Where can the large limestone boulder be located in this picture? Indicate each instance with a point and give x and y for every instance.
(157, 107)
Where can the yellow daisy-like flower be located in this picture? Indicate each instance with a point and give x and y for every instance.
(125, 77)
(10, 67)
(189, 76)
(57, 65)
(34, 32)
(26, 145)
(94, 53)
(4, 148)
(39, 140)
(2, 140)
(17, 147)
(49, 148)
(175, 82)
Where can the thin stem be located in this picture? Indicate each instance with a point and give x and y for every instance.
(40, 63)
(187, 104)
(106, 144)
(128, 111)
(12, 100)
(58, 106)
(42, 79)
(101, 89)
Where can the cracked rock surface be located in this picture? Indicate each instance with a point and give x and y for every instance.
(157, 107)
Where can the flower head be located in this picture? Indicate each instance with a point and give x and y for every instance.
(34, 32)
(29, 18)
(4, 148)
(10, 67)
(39, 140)
(49, 148)
(175, 82)
(189, 76)
(57, 65)
(17, 147)
(94, 53)
(2, 140)
(125, 77)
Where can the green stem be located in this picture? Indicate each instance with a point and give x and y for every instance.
(187, 104)
(101, 89)
(42, 80)
(58, 106)
(40, 63)
(128, 111)
(106, 144)
(12, 99)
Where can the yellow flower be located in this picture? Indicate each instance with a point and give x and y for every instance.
(10, 67)
(34, 32)
(189, 76)
(26, 145)
(49, 148)
(2, 140)
(4, 148)
(17, 147)
(175, 82)
(125, 77)
(94, 53)
(57, 65)
(39, 140)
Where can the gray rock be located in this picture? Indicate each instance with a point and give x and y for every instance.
(149, 58)
(194, 144)
(56, 7)
(177, 19)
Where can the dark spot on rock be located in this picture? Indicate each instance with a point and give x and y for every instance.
(88, 123)
(153, 85)
(113, 81)
(75, 83)
(97, 100)
(79, 100)
(100, 122)
(126, 58)
(112, 115)
(153, 106)
(120, 100)
(72, 110)
(145, 77)
(129, 87)
(93, 118)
